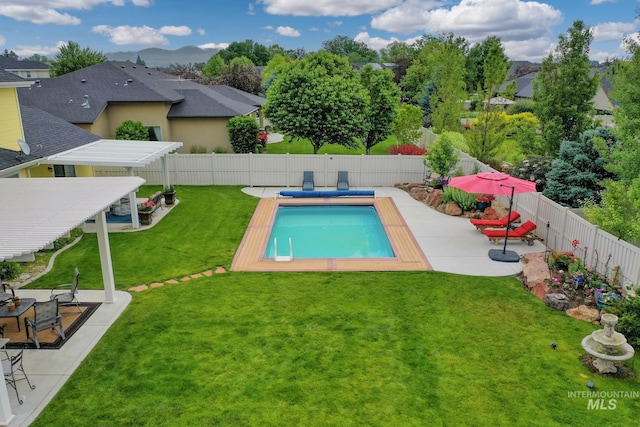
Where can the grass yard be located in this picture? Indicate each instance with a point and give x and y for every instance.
(316, 349)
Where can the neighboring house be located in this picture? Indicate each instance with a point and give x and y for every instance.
(99, 98)
(601, 101)
(25, 69)
(29, 135)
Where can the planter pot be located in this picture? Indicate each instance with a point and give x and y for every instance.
(559, 265)
(145, 217)
(169, 197)
(481, 206)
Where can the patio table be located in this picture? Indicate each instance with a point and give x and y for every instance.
(25, 304)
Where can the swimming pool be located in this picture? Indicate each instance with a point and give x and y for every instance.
(329, 231)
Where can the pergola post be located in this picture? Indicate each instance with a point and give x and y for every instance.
(135, 221)
(165, 173)
(5, 407)
(105, 258)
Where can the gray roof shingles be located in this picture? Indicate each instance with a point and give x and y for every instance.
(116, 82)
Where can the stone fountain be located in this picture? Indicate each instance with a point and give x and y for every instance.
(607, 345)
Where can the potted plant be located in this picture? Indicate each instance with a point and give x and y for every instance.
(169, 195)
(483, 201)
(16, 300)
(561, 260)
(11, 305)
(145, 212)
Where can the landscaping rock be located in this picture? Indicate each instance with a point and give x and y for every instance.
(490, 213)
(434, 199)
(557, 301)
(419, 193)
(585, 313)
(452, 209)
(535, 269)
(540, 290)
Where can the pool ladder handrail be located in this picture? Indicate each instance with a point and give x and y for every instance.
(282, 258)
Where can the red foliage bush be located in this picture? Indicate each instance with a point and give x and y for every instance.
(407, 150)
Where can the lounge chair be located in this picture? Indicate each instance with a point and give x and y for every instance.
(343, 180)
(481, 224)
(307, 181)
(523, 232)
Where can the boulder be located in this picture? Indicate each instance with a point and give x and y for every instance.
(540, 289)
(452, 209)
(585, 313)
(557, 301)
(490, 213)
(418, 193)
(535, 269)
(434, 199)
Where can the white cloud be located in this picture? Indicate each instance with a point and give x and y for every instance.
(2, 41)
(175, 31)
(287, 31)
(251, 11)
(125, 35)
(601, 1)
(201, 31)
(214, 46)
(524, 27)
(377, 43)
(268, 27)
(37, 15)
(25, 51)
(326, 7)
(335, 24)
(610, 31)
(314, 29)
(48, 11)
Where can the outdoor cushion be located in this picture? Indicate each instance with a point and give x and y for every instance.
(495, 223)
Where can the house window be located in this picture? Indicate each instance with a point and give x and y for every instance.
(62, 171)
(155, 133)
(28, 74)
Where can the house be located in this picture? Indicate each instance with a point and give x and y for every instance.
(25, 69)
(99, 98)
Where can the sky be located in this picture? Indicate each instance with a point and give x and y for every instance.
(528, 29)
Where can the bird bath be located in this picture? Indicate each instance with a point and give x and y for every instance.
(607, 345)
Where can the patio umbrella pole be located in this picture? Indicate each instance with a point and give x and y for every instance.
(504, 255)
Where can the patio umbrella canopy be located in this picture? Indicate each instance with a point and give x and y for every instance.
(501, 184)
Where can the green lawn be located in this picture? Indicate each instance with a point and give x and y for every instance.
(315, 349)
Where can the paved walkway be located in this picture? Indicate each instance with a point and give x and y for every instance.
(451, 244)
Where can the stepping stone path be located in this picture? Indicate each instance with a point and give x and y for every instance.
(207, 273)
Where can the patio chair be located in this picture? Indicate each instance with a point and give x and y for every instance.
(68, 297)
(523, 232)
(307, 181)
(4, 295)
(12, 367)
(46, 316)
(343, 180)
(481, 224)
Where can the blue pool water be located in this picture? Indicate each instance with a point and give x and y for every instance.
(329, 232)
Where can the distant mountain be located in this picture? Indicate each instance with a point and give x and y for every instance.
(162, 58)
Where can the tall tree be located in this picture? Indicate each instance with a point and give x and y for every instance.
(278, 64)
(563, 89)
(348, 48)
(384, 97)
(213, 67)
(256, 52)
(242, 75)
(71, 57)
(407, 123)
(448, 77)
(10, 54)
(489, 130)
(319, 98)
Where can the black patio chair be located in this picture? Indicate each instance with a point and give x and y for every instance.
(13, 366)
(46, 316)
(68, 297)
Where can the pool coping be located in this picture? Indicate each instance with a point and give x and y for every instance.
(408, 255)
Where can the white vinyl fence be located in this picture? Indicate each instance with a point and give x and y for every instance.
(557, 225)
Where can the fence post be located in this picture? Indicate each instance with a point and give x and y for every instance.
(563, 228)
(592, 243)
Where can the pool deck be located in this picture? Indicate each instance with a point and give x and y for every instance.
(450, 244)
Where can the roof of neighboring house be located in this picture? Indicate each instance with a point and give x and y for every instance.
(46, 134)
(524, 88)
(13, 64)
(126, 82)
(11, 80)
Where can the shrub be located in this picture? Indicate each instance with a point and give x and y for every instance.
(465, 200)
(521, 106)
(534, 168)
(243, 134)
(407, 150)
(132, 130)
(442, 157)
(8, 270)
(198, 149)
(628, 312)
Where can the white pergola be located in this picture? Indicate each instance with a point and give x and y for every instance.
(122, 153)
(35, 212)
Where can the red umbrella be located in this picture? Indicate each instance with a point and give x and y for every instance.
(501, 184)
(492, 183)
